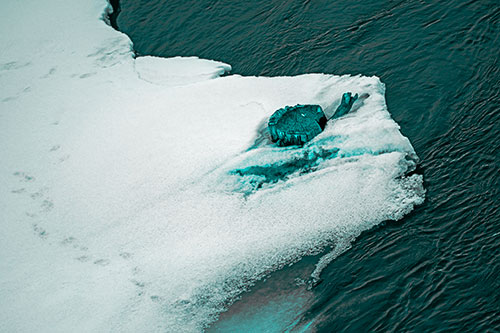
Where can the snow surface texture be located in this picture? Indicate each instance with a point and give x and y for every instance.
(143, 195)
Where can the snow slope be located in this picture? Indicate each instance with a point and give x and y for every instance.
(142, 194)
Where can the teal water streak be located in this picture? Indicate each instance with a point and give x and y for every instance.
(439, 268)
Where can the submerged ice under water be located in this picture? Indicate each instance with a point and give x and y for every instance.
(139, 187)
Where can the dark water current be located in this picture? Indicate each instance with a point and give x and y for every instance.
(439, 268)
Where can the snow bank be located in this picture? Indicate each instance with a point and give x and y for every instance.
(121, 204)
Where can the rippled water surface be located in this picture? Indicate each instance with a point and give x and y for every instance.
(437, 269)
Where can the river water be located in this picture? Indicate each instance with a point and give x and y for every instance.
(438, 269)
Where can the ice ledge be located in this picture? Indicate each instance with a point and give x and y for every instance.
(170, 72)
(178, 71)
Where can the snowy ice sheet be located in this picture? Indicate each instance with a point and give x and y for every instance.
(143, 195)
(178, 71)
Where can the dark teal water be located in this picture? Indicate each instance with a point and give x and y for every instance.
(439, 268)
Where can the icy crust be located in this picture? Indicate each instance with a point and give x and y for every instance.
(121, 203)
(178, 71)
